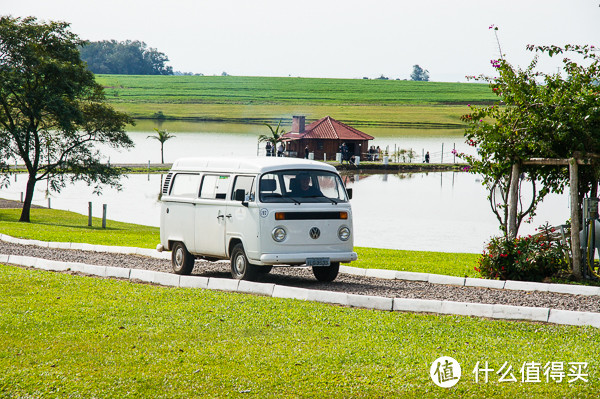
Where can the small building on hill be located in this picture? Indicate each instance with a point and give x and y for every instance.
(324, 136)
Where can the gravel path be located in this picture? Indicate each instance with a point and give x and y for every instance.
(303, 277)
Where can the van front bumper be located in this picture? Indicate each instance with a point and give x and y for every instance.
(300, 258)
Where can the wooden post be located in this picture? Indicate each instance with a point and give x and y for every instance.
(90, 213)
(513, 199)
(575, 228)
(104, 216)
(442, 161)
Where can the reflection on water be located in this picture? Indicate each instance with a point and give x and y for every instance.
(446, 211)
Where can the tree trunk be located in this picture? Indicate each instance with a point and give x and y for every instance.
(26, 211)
(162, 154)
(513, 199)
(575, 225)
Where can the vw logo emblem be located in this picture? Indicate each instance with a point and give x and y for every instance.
(314, 233)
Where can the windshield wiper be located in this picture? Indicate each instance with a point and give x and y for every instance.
(334, 202)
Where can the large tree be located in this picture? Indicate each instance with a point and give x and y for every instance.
(419, 74)
(125, 58)
(538, 115)
(52, 112)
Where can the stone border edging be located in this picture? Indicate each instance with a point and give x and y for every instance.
(473, 282)
(496, 311)
(376, 273)
(87, 247)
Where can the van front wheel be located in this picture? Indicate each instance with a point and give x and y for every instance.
(182, 259)
(327, 273)
(241, 268)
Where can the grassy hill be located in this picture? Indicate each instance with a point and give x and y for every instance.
(398, 104)
(272, 90)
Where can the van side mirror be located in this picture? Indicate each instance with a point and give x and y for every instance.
(349, 191)
(240, 194)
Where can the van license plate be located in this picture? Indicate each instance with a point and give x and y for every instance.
(318, 262)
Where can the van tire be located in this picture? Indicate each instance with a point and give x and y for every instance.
(241, 268)
(181, 259)
(328, 273)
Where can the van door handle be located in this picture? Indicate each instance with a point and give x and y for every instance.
(220, 216)
(228, 216)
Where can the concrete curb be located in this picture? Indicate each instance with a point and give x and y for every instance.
(554, 316)
(251, 287)
(570, 317)
(357, 271)
(222, 284)
(283, 291)
(370, 302)
(525, 286)
(193, 282)
(484, 283)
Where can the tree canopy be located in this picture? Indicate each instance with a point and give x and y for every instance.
(538, 115)
(52, 112)
(125, 58)
(419, 74)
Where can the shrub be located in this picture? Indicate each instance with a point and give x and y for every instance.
(530, 258)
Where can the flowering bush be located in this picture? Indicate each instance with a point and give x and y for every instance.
(530, 258)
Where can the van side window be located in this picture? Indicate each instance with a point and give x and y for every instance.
(245, 183)
(185, 185)
(214, 187)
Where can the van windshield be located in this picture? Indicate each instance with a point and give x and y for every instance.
(300, 186)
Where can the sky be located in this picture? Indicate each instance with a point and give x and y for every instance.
(330, 38)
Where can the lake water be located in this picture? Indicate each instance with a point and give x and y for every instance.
(446, 211)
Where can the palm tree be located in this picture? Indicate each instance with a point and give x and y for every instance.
(275, 137)
(163, 136)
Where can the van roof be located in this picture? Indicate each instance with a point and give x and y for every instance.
(247, 165)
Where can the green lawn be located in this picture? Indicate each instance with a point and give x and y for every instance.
(65, 226)
(71, 336)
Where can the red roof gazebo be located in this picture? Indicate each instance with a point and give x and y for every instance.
(325, 136)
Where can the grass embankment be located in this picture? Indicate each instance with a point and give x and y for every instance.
(64, 226)
(399, 104)
(71, 336)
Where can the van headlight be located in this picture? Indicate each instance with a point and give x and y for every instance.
(279, 234)
(344, 233)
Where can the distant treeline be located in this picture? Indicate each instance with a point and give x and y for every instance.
(125, 58)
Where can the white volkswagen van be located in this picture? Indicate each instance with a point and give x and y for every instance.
(258, 212)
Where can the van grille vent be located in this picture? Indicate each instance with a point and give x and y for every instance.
(310, 215)
(165, 189)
